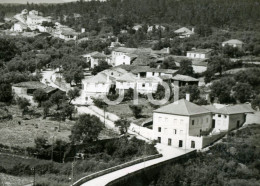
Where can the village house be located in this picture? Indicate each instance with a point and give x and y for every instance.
(157, 27)
(19, 27)
(68, 34)
(179, 80)
(189, 126)
(184, 32)
(181, 124)
(199, 53)
(95, 57)
(146, 72)
(26, 89)
(234, 43)
(228, 117)
(137, 27)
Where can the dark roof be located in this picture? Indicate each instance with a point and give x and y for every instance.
(148, 69)
(182, 107)
(201, 51)
(35, 85)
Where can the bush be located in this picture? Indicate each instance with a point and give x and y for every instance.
(136, 109)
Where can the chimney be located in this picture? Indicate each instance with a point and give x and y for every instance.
(188, 97)
(192, 29)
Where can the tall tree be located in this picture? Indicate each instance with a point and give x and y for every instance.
(186, 68)
(123, 125)
(86, 129)
(39, 96)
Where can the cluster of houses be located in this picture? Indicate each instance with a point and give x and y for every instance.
(34, 21)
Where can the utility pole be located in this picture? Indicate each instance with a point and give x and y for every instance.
(52, 148)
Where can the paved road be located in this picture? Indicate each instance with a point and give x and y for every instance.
(168, 153)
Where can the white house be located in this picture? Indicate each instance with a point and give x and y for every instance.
(126, 81)
(97, 85)
(199, 53)
(229, 117)
(68, 34)
(146, 72)
(181, 124)
(234, 43)
(157, 27)
(19, 27)
(95, 57)
(184, 32)
(123, 56)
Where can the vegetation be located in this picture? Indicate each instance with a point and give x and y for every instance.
(136, 110)
(234, 161)
(123, 125)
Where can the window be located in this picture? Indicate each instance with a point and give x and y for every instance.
(159, 129)
(180, 143)
(174, 131)
(153, 73)
(225, 116)
(143, 85)
(192, 122)
(159, 139)
(169, 141)
(181, 131)
(112, 73)
(193, 144)
(219, 115)
(159, 119)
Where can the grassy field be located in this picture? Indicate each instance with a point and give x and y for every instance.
(8, 180)
(122, 110)
(23, 135)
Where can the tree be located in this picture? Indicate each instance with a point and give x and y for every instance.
(99, 103)
(5, 92)
(23, 104)
(242, 92)
(136, 110)
(39, 96)
(221, 89)
(102, 65)
(73, 93)
(186, 68)
(67, 110)
(169, 63)
(256, 102)
(193, 90)
(86, 129)
(123, 125)
(129, 95)
(57, 98)
(46, 108)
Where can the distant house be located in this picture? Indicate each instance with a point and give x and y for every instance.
(228, 117)
(184, 32)
(146, 72)
(68, 34)
(95, 57)
(199, 53)
(234, 43)
(19, 27)
(26, 89)
(182, 80)
(97, 85)
(137, 27)
(157, 27)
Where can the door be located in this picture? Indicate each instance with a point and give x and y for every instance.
(193, 144)
(169, 141)
(180, 143)
(213, 123)
(238, 124)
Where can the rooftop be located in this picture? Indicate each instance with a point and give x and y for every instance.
(183, 30)
(180, 77)
(95, 54)
(35, 85)
(128, 77)
(233, 41)
(99, 78)
(182, 107)
(148, 69)
(201, 51)
(230, 109)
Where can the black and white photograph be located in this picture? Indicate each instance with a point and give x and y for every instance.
(129, 92)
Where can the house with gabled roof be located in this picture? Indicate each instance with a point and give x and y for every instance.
(228, 117)
(181, 124)
(199, 53)
(26, 89)
(95, 57)
(184, 32)
(234, 43)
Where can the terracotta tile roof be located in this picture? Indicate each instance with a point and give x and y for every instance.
(201, 51)
(148, 69)
(233, 41)
(99, 78)
(182, 107)
(129, 77)
(230, 109)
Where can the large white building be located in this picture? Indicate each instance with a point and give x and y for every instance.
(181, 124)
(189, 126)
(95, 57)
